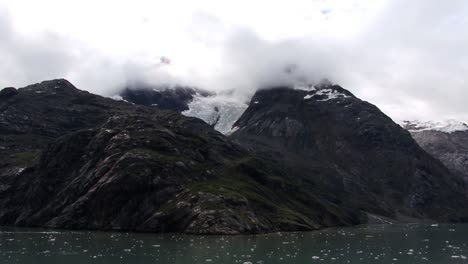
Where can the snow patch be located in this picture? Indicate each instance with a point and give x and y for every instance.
(219, 111)
(446, 126)
(117, 97)
(234, 129)
(330, 94)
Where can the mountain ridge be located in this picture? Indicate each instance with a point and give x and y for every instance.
(98, 163)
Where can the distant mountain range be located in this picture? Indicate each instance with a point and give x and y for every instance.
(293, 158)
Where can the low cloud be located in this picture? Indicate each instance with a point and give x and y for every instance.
(410, 59)
(33, 57)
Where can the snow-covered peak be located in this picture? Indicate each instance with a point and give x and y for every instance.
(446, 126)
(219, 111)
(331, 94)
(325, 95)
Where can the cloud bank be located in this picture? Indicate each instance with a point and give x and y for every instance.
(408, 58)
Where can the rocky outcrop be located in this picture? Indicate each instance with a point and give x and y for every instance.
(347, 151)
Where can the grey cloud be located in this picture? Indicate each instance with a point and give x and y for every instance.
(412, 60)
(28, 59)
(416, 51)
(32, 58)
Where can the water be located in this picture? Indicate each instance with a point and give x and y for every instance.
(365, 244)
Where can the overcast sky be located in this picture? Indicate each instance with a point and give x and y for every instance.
(409, 57)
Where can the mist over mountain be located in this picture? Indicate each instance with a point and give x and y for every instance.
(367, 47)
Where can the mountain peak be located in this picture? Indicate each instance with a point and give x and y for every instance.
(51, 86)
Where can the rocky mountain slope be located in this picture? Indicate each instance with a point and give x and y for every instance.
(347, 151)
(77, 160)
(300, 160)
(447, 141)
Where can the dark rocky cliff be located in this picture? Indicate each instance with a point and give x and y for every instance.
(347, 151)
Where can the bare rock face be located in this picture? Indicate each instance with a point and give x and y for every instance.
(447, 141)
(347, 151)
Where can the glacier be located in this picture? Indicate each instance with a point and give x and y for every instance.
(220, 111)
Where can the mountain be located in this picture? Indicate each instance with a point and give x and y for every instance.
(71, 159)
(446, 140)
(347, 151)
(299, 159)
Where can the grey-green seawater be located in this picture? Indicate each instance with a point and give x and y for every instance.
(413, 243)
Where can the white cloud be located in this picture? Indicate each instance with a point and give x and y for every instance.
(409, 58)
